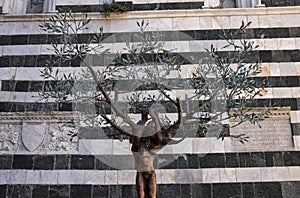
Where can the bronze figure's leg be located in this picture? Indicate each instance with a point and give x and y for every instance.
(140, 185)
(151, 185)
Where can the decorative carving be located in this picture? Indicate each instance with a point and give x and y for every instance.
(9, 137)
(35, 116)
(33, 135)
(62, 137)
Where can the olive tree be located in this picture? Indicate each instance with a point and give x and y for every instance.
(221, 87)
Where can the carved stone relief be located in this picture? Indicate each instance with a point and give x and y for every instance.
(37, 133)
(62, 138)
(9, 137)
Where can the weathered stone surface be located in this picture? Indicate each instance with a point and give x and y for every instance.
(126, 177)
(211, 176)
(227, 174)
(16, 176)
(169, 177)
(94, 177)
(111, 177)
(248, 175)
(71, 177)
(49, 177)
(184, 176)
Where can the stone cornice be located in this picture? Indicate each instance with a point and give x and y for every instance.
(164, 14)
(283, 112)
(38, 117)
(277, 113)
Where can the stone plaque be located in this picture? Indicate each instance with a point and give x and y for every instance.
(274, 135)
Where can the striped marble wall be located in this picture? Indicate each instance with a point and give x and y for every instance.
(200, 166)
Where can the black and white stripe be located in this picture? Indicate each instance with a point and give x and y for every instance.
(211, 171)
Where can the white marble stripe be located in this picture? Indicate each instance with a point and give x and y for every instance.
(33, 73)
(188, 146)
(295, 116)
(168, 20)
(176, 46)
(168, 176)
(296, 140)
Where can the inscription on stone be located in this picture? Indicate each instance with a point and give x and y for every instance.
(274, 134)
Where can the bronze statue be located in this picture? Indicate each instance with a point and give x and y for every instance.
(145, 147)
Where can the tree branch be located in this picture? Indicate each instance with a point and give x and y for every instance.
(103, 115)
(158, 125)
(176, 125)
(106, 96)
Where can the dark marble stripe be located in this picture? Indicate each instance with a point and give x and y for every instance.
(252, 33)
(37, 86)
(294, 103)
(133, 7)
(187, 161)
(280, 3)
(217, 190)
(266, 56)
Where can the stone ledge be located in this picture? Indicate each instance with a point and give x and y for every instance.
(165, 13)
